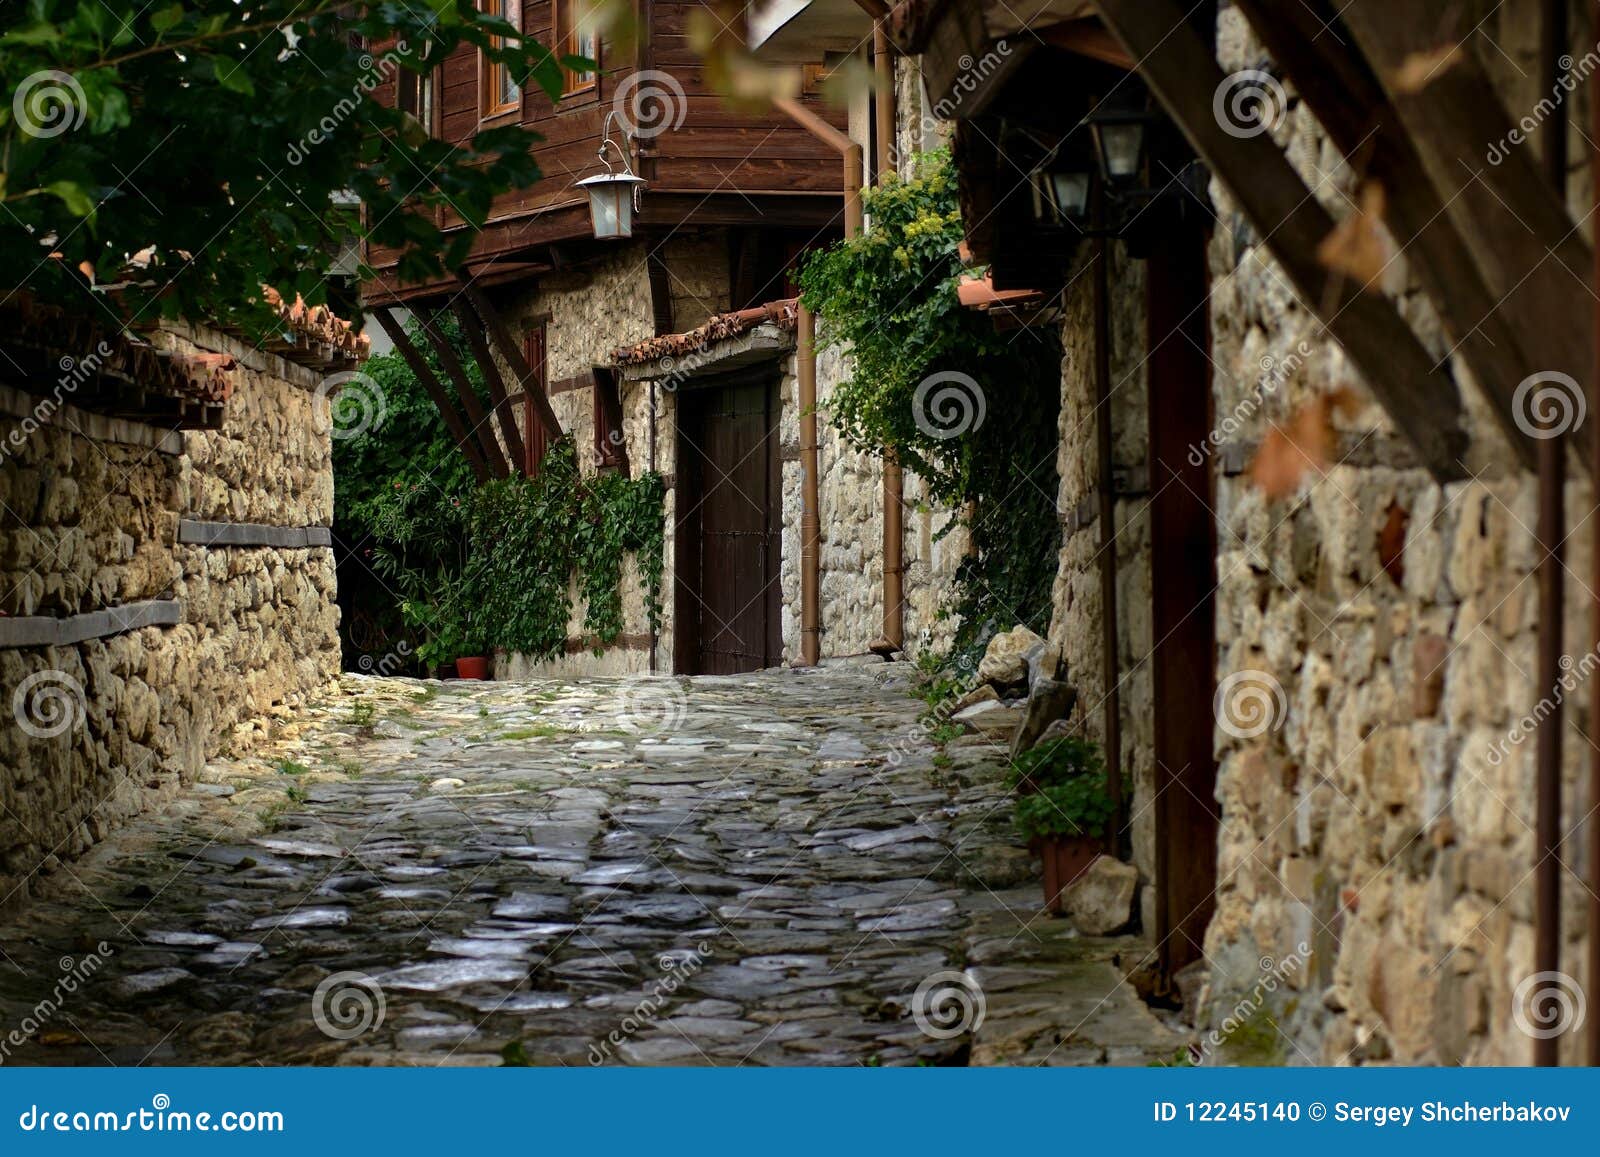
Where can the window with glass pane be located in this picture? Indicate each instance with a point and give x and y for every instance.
(575, 34)
(500, 91)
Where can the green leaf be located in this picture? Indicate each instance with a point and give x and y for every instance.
(77, 199)
(231, 75)
(167, 18)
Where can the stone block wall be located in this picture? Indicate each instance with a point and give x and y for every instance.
(89, 518)
(1384, 818)
(1077, 604)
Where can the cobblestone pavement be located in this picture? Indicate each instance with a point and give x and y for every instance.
(759, 869)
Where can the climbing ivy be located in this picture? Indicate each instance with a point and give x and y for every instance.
(528, 537)
(889, 299)
(469, 568)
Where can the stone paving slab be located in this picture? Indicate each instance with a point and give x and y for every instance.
(767, 869)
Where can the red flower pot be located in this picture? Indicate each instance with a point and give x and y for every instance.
(1065, 859)
(472, 667)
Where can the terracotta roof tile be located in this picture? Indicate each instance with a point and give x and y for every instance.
(783, 314)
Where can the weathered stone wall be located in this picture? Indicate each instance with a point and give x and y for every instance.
(90, 523)
(1384, 817)
(1078, 611)
(587, 314)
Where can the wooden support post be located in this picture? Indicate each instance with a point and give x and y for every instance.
(457, 373)
(435, 389)
(531, 386)
(1347, 98)
(503, 412)
(1180, 68)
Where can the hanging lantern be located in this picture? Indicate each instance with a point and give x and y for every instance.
(613, 196)
(611, 201)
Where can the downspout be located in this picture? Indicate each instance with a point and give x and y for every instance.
(1110, 666)
(806, 371)
(1552, 517)
(894, 567)
(1593, 821)
(810, 523)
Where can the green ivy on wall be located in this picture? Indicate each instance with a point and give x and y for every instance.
(971, 410)
(471, 568)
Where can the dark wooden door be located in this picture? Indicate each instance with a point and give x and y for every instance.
(727, 603)
(1183, 538)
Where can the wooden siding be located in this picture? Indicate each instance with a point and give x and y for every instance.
(702, 172)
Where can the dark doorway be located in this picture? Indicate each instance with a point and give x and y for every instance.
(727, 602)
(1183, 536)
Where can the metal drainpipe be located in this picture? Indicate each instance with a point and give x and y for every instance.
(1593, 822)
(1106, 483)
(655, 636)
(1552, 517)
(806, 370)
(894, 567)
(810, 523)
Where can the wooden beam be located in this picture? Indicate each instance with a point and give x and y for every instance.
(1348, 99)
(504, 414)
(1180, 69)
(430, 382)
(1087, 38)
(457, 373)
(512, 354)
(1514, 223)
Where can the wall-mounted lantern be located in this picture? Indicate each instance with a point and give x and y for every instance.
(613, 196)
(1118, 125)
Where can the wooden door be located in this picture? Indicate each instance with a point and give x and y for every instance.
(727, 602)
(1183, 551)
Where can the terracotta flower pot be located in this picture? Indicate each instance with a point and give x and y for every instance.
(1065, 859)
(472, 667)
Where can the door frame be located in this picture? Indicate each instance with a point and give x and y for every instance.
(690, 491)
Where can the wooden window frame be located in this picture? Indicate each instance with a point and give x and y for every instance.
(490, 72)
(414, 81)
(609, 454)
(535, 438)
(564, 42)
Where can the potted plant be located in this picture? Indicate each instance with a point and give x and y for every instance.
(472, 660)
(1063, 809)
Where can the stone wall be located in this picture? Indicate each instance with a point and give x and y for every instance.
(1383, 819)
(1077, 604)
(89, 522)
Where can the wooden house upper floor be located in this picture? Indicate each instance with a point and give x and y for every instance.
(707, 162)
